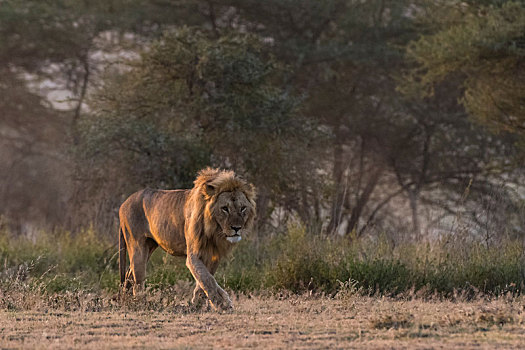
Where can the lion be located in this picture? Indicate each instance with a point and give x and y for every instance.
(202, 223)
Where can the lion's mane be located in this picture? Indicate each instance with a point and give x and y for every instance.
(208, 185)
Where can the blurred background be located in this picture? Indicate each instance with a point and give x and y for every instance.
(402, 119)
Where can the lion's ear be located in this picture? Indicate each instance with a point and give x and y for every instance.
(251, 192)
(209, 189)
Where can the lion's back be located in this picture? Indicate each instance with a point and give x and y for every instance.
(148, 199)
(156, 214)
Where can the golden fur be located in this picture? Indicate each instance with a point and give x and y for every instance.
(202, 224)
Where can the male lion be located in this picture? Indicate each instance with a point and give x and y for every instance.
(202, 224)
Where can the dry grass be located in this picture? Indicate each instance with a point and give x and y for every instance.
(165, 320)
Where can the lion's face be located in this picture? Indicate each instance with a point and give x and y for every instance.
(234, 214)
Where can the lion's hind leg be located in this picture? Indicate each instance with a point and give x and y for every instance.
(137, 269)
(126, 277)
(199, 297)
(138, 260)
(128, 281)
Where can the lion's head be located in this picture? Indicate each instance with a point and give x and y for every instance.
(229, 209)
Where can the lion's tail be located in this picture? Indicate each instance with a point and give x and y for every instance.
(122, 256)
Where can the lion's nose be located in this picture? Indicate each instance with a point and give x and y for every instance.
(235, 228)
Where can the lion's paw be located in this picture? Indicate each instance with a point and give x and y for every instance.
(219, 303)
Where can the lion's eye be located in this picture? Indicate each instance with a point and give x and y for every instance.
(243, 210)
(225, 209)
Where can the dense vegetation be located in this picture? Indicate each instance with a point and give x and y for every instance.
(296, 261)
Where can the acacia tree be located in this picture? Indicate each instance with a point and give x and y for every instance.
(476, 50)
(486, 49)
(192, 100)
(341, 54)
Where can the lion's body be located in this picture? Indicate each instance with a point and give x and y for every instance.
(200, 224)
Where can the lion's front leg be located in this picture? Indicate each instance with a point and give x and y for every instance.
(199, 298)
(225, 297)
(206, 282)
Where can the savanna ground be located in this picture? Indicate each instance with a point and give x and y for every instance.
(293, 290)
(274, 321)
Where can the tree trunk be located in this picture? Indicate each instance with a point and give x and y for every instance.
(357, 210)
(263, 215)
(413, 199)
(81, 97)
(340, 189)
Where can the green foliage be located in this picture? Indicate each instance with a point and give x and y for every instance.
(486, 51)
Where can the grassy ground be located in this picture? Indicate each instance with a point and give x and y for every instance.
(295, 289)
(272, 321)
